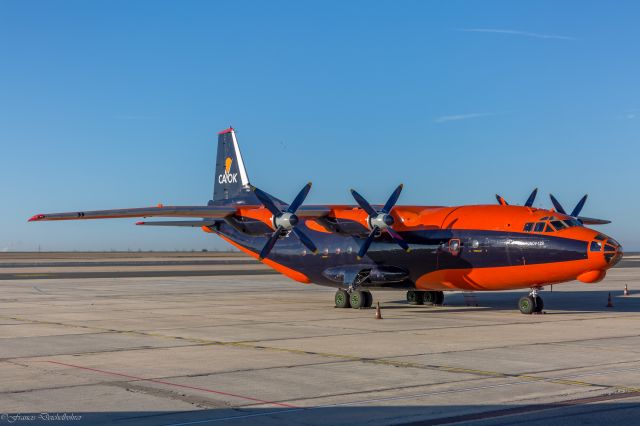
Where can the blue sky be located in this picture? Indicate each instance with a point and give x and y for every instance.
(108, 104)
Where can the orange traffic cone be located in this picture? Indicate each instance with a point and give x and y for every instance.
(378, 313)
(609, 304)
(626, 290)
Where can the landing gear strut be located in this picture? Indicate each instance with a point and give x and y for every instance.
(532, 303)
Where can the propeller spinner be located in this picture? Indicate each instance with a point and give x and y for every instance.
(284, 221)
(380, 220)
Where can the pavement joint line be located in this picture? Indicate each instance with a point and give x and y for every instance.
(164, 382)
(381, 361)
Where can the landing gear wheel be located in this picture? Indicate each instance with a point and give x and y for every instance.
(342, 299)
(429, 297)
(358, 299)
(415, 297)
(439, 298)
(539, 303)
(368, 299)
(526, 305)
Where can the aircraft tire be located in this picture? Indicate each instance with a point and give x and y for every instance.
(429, 297)
(415, 297)
(539, 303)
(342, 299)
(526, 305)
(439, 297)
(368, 299)
(358, 299)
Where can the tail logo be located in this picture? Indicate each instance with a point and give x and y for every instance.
(228, 177)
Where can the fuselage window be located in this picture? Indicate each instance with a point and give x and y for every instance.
(539, 227)
(595, 246)
(528, 227)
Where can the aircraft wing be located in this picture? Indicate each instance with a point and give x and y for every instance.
(592, 221)
(313, 211)
(191, 223)
(205, 212)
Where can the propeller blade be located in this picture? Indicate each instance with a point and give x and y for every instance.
(501, 200)
(270, 243)
(531, 198)
(305, 240)
(393, 199)
(579, 206)
(365, 246)
(266, 201)
(364, 204)
(557, 204)
(398, 239)
(297, 202)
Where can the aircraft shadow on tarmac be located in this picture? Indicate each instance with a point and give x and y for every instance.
(555, 302)
(576, 411)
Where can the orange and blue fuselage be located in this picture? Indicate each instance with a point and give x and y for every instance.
(483, 247)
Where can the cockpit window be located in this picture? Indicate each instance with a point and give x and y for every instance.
(539, 227)
(528, 227)
(595, 246)
(609, 247)
(600, 237)
(548, 228)
(558, 224)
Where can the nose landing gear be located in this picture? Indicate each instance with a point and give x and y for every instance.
(532, 303)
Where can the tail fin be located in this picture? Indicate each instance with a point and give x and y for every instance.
(231, 183)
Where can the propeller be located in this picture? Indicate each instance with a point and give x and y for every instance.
(284, 220)
(528, 203)
(380, 220)
(576, 210)
(575, 213)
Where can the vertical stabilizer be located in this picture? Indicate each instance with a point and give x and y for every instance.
(231, 183)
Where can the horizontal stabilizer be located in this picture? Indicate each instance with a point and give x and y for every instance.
(192, 223)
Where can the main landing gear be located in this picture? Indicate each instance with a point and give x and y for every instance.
(355, 299)
(417, 297)
(531, 304)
